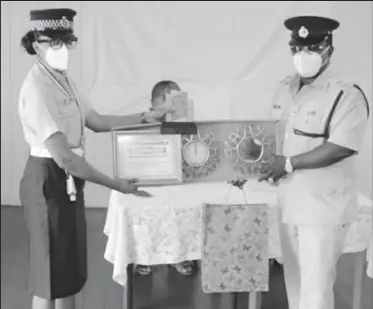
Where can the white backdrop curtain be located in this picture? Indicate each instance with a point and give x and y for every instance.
(228, 55)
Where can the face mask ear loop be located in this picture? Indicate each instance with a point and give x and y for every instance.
(323, 53)
(41, 48)
(37, 43)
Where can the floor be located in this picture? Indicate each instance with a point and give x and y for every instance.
(165, 289)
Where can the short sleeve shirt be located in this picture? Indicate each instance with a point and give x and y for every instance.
(44, 108)
(327, 195)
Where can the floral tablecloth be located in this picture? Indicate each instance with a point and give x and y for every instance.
(167, 228)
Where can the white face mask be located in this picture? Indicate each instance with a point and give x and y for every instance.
(307, 63)
(57, 58)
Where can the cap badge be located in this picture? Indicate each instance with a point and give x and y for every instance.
(303, 32)
(64, 22)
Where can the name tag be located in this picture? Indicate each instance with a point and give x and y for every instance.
(277, 106)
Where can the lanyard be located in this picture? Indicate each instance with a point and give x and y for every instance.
(70, 184)
(73, 97)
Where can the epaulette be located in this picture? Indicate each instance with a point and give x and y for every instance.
(286, 81)
(343, 83)
(348, 86)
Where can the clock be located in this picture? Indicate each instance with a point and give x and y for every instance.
(196, 153)
(200, 156)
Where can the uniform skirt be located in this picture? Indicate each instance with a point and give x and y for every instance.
(57, 230)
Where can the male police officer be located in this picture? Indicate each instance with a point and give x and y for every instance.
(321, 124)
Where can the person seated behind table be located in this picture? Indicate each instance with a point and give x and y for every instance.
(160, 92)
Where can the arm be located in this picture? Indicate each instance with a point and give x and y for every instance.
(39, 118)
(58, 147)
(106, 123)
(346, 133)
(322, 156)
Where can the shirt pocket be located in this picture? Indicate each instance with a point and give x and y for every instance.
(67, 108)
(309, 121)
(307, 131)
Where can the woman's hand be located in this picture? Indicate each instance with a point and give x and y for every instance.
(129, 186)
(158, 114)
(142, 193)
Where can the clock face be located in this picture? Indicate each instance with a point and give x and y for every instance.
(196, 153)
(250, 150)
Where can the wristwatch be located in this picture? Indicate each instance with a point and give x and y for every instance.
(288, 166)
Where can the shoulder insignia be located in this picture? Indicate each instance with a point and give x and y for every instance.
(349, 87)
(344, 83)
(287, 80)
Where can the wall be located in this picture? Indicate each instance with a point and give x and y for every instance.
(228, 55)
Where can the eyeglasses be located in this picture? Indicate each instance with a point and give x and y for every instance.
(312, 48)
(58, 43)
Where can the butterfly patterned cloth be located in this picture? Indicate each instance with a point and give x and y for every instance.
(235, 248)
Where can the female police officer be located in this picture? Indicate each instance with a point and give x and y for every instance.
(53, 114)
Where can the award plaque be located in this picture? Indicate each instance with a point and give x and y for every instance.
(152, 158)
(219, 151)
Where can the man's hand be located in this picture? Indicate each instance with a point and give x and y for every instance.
(239, 183)
(274, 170)
(158, 114)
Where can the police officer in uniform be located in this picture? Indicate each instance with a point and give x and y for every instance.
(321, 126)
(53, 115)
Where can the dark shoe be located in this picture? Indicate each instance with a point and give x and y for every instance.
(143, 270)
(273, 263)
(185, 268)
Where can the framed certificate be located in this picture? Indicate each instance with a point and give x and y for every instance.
(152, 158)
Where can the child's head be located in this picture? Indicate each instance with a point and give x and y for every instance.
(160, 90)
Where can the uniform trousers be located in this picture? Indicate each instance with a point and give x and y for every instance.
(310, 255)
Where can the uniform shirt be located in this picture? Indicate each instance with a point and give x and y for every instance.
(324, 196)
(45, 109)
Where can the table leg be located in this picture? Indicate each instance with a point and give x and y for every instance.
(128, 288)
(255, 300)
(358, 280)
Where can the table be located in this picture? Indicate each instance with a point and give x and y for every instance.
(167, 228)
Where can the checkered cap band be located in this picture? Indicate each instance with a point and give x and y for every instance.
(54, 24)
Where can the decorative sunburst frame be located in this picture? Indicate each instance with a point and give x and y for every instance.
(210, 164)
(257, 134)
